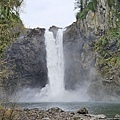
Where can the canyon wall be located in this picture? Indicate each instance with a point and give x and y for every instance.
(27, 59)
(84, 59)
(85, 66)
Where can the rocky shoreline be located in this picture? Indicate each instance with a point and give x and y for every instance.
(51, 114)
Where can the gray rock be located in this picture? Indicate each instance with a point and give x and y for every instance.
(81, 61)
(78, 55)
(82, 111)
(117, 117)
(56, 114)
(28, 56)
(54, 30)
(101, 116)
(53, 110)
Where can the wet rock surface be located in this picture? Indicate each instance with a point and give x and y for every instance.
(54, 30)
(27, 59)
(85, 67)
(79, 56)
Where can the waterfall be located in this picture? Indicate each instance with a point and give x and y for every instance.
(55, 91)
(55, 64)
(55, 61)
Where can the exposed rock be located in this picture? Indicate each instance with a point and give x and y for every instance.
(82, 111)
(54, 29)
(82, 62)
(78, 55)
(53, 110)
(101, 116)
(28, 56)
(35, 114)
(117, 117)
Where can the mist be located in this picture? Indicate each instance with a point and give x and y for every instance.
(36, 95)
(56, 90)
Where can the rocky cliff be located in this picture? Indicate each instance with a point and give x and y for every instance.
(27, 59)
(79, 58)
(91, 48)
(91, 53)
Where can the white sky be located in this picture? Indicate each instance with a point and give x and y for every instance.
(45, 13)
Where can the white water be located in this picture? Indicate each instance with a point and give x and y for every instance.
(54, 91)
(55, 61)
(55, 65)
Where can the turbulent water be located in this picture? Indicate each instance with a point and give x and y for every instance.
(55, 65)
(54, 91)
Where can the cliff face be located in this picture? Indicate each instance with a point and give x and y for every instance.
(78, 55)
(91, 53)
(27, 59)
(91, 59)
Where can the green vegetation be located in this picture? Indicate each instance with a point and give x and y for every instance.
(108, 54)
(9, 113)
(107, 47)
(10, 27)
(84, 7)
(10, 22)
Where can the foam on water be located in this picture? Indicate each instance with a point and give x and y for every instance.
(54, 91)
(55, 65)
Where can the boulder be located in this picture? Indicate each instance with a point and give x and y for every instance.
(55, 110)
(101, 116)
(82, 111)
(54, 30)
(79, 58)
(117, 116)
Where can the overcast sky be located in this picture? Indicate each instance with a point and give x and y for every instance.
(45, 13)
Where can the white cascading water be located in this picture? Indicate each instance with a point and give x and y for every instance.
(55, 64)
(55, 61)
(54, 91)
